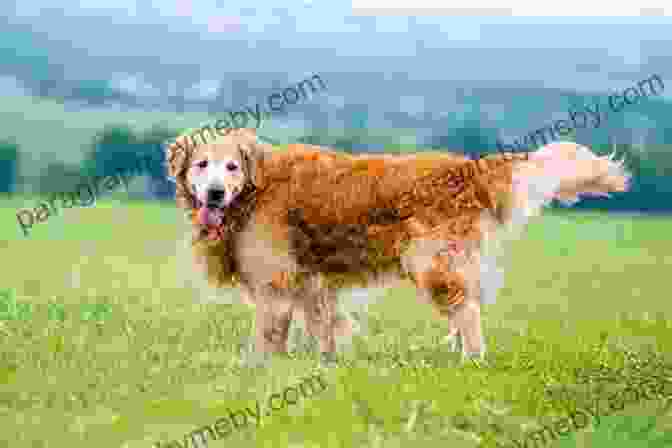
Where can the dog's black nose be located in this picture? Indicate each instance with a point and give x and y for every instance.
(215, 198)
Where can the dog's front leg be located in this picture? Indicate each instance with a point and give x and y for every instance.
(322, 320)
(273, 318)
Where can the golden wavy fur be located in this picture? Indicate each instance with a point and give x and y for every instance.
(307, 221)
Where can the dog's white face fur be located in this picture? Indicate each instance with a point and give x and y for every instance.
(217, 176)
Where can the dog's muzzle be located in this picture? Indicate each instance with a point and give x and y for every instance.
(215, 198)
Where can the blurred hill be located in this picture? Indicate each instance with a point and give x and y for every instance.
(49, 132)
(56, 118)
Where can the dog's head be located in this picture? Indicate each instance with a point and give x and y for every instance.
(211, 176)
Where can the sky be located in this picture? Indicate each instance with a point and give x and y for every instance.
(519, 8)
(136, 42)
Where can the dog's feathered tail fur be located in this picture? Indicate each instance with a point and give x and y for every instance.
(564, 171)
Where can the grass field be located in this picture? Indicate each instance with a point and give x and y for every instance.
(581, 288)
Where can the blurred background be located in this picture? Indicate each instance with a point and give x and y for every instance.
(84, 83)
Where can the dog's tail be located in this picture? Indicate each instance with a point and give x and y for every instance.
(565, 171)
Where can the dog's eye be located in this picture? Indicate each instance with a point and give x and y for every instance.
(231, 166)
(202, 164)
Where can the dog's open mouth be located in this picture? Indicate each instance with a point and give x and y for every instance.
(211, 219)
(216, 222)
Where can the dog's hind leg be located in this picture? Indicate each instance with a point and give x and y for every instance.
(321, 317)
(451, 285)
(456, 301)
(466, 316)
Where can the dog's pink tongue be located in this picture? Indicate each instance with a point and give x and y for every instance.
(209, 217)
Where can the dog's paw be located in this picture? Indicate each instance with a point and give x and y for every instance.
(476, 359)
(360, 324)
(478, 362)
(478, 355)
(299, 341)
(454, 342)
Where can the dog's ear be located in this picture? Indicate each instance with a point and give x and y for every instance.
(253, 156)
(178, 154)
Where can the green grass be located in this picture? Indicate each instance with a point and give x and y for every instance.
(580, 289)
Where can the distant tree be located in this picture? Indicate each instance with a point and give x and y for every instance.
(119, 148)
(9, 165)
(351, 144)
(317, 133)
(311, 140)
(114, 148)
(471, 138)
(651, 168)
(59, 177)
(150, 145)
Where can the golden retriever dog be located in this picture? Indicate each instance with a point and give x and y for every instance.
(293, 226)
